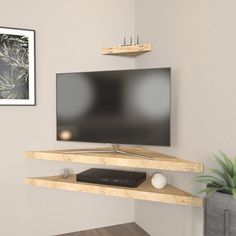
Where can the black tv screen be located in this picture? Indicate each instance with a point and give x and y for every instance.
(119, 107)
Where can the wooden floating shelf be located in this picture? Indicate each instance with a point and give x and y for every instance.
(127, 229)
(158, 161)
(131, 50)
(145, 191)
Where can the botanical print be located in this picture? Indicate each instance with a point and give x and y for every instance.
(14, 67)
(17, 66)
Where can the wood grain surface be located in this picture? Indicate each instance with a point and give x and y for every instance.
(129, 229)
(132, 50)
(145, 191)
(158, 161)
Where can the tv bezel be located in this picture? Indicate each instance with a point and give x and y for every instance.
(152, 68)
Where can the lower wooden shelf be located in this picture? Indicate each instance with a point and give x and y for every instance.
(145, 191)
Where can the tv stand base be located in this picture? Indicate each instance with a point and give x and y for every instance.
(115, 149)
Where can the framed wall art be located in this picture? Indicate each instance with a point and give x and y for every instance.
(17, 66)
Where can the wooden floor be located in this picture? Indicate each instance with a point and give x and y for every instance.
(129, 229)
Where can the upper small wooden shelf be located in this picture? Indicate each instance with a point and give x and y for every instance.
(159, 161)
(131, 50)
(145, 191)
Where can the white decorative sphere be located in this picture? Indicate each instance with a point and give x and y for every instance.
(159, 180)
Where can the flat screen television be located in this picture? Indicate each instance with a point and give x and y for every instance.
(118, 107)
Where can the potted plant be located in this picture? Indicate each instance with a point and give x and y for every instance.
(220, 204)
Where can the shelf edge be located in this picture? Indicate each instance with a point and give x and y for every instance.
(180, 165)
(116, 192)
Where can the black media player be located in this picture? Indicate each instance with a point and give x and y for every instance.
(112, 177)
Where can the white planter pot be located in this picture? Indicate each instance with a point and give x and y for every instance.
(220, 215)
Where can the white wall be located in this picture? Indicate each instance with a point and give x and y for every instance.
(197, 39)
(69, 36)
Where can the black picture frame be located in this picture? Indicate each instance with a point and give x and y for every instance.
(17, 67)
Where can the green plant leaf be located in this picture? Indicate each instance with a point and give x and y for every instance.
(219, 173)
(235, 166)
(234, 180)
(234, 192)
(222, 164)
(209, 190)
(208, 179)
(230, 181)
(228, 164)
(223, 180)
